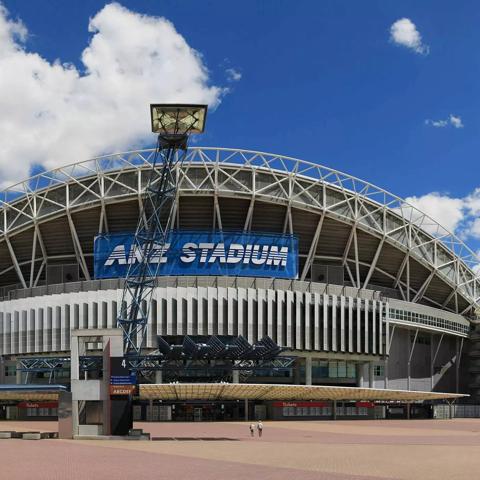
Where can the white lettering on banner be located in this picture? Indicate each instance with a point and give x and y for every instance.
(206, 253)
(235, 253)
(118, 254)
(205, 247)
(218, 252)
(188, 251)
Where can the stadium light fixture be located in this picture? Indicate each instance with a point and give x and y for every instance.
(173, 123)
(170, 119)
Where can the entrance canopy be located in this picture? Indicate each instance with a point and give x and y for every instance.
(31, 392)
(239, 391)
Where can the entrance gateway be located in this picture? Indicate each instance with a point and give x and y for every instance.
(102, 402)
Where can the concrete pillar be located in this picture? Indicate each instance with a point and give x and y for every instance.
(308, 370)
(362, 374)
(18, 379)
(334, 410)
(371, 376)
(150, 407)
(2, 370)
(296, 372)
(235, 376)
(158, 376)
(408, 411)
(386, 372)
(246, 409)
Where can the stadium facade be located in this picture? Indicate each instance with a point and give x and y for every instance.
(384, 296)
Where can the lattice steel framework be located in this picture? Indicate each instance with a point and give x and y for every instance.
(150, 238)
(255, 176)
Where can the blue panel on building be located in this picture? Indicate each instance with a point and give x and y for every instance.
(203, 253)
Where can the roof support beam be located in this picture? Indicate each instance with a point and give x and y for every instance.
(357, 264)
(410, 359)
(432, 365)
(423, 288)
(313, 248)
(248, 219)
(458, 358)
(15, 262)
(374, 262)
(217, 218)
(32, 261)
(288, 223)
(103, 222)
(78, 247)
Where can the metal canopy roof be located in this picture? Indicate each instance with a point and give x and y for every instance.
(31, 392)
(400, 249)
(210, 347)
(240, 391)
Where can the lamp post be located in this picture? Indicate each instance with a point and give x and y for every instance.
(173, 124)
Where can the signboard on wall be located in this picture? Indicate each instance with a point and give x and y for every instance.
(120, 372)
(202, 253)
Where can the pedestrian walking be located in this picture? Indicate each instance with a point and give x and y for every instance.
(260, 428)
(252, 430)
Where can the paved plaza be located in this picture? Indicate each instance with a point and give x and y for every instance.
(342, 450)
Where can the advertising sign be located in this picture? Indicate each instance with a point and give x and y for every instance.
(37, 405)
(202, 253)
(300, 404)
(122, 389)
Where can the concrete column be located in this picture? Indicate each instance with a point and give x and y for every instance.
(371, 376)
(150, 407)
(246, 409)
(362, 374)
(296, 372)
(334, 410)
(408, 411)
(2, 370)
(235, 376)
(158, 376)
(18, 379)
(386, 372)
(308, 370)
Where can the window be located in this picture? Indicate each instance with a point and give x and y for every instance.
(342, 369)
(379, 370)
(351, 370)
(332, 370)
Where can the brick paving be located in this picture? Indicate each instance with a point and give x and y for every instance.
(342, 450)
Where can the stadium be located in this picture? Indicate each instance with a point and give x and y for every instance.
(383, 297)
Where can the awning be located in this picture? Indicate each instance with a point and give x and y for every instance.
(240, 391)
(31, 392)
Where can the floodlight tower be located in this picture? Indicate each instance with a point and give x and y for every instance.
(173, 124)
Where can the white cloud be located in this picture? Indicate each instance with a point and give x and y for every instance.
(447, 211)
(233, 75)
(458, 215)
(454, 121)
(54, 114)
(404, 32)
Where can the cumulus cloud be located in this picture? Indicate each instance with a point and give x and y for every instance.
(54, 113)
(447, 211)
(454, 121)
(404, 32)
(458, 215)
(233, 75)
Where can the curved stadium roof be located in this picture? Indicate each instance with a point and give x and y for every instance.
(382, 241)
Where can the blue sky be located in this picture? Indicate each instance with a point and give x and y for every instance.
(323, 81)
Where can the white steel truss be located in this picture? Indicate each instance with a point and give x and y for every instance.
(255, 176)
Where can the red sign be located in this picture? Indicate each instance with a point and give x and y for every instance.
(301, 404)
(122, 389)
(364, 404)
(38, 405)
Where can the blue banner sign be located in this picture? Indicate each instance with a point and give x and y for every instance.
(203, 253)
